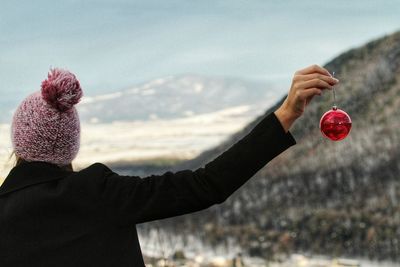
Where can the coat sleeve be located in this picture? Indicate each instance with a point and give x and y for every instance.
(132, 199)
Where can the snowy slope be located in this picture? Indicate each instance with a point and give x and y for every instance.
(175, 97)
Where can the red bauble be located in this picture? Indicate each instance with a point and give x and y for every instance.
(335, 124)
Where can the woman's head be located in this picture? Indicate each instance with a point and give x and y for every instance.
(46, 125)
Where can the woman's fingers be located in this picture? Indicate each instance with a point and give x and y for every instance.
(317, 83)
(312, 69)
(320, 76)
(309, 93)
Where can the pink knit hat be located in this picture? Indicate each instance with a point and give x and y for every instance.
(46, 125)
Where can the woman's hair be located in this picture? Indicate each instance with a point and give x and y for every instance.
(19, 161)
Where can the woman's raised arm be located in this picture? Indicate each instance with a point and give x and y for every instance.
(132, 199)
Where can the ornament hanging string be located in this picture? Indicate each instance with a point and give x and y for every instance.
(334, 93)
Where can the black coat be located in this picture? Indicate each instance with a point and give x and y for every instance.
(52, 217)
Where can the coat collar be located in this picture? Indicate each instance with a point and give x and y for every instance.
(29, 173)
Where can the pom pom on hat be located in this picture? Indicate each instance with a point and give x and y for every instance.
(61, 89)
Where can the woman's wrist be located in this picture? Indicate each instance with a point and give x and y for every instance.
(285, 117)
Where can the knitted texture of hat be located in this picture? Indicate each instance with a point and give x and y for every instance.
(46, 125)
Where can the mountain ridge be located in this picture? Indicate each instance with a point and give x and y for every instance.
(322, 197)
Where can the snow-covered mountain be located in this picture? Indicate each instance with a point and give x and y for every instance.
(176, 97)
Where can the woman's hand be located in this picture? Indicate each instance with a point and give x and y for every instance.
(306, 84)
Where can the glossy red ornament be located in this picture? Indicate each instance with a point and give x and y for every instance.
(335, 124)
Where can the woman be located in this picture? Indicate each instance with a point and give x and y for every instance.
(51, 215)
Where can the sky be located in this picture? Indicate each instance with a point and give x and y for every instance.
(113, 45)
